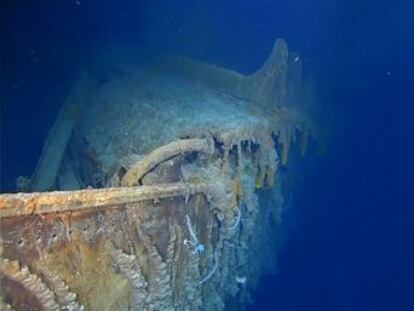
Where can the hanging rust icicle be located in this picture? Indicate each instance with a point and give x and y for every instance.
(170, 165)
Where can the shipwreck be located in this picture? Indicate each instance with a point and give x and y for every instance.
(160, 187)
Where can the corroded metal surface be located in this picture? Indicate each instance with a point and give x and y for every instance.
(66, 201)
(87, 249)
(150, 247)
(189, 212)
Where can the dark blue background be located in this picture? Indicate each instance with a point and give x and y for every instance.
(350, 245)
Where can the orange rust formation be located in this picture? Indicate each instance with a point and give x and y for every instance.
(161, 193)
(70, 201)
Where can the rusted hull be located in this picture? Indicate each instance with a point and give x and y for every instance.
(189, 213)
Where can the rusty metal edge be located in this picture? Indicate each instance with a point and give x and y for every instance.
(21, 204)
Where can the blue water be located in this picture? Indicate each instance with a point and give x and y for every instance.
(350, 243)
